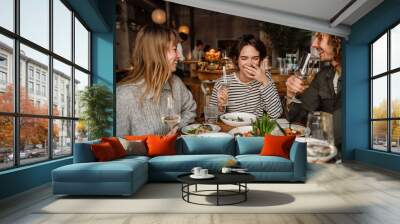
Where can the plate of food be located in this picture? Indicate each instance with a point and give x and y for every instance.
(293, 129)
(195, 129)
(238, 119)
(247, 131)
(244, 131)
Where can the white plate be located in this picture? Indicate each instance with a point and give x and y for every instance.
(247, 118)
(240, 130)
(244, 129)
(208, 176)
(282, 121)
(185, 130)
(214, 134)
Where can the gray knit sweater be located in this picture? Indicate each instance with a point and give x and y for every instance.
(134, 118)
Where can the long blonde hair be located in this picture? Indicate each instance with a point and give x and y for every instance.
(149, 60)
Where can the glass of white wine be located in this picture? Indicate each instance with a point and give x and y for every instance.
(302, 72)
(223, 92)
(169, 116)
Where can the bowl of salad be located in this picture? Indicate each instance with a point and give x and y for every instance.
(237, 119)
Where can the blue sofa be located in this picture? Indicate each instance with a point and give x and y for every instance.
(125, 176)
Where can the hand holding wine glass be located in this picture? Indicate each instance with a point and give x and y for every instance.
(298, 83)
(223, 92)
(169, 116)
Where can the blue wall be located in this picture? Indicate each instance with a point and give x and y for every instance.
(356, 106)
(24, 178)
(103, 55)
(99, 16)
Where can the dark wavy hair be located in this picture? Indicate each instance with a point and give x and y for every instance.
(250, 39)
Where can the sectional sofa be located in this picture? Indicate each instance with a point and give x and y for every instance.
(125, 176)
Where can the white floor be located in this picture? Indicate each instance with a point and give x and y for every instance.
(379, 190)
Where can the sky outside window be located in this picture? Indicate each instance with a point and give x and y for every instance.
(35, 21)
(62, 29)
(395, 47)
(379, 56)
(81, 45)
(7, 14)
(35, 27)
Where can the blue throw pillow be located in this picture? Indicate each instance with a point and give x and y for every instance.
(249, 145)
(195, 145)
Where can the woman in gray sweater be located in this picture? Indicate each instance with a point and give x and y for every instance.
(142, 97)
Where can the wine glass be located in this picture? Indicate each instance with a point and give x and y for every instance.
(223, 91)
(302, 73)
(169, 116)
(320, 140)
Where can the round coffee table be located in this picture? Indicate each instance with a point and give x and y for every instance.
(238, 179)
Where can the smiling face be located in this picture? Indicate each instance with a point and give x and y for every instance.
(172, 56)
(248, 56)
(325, 50)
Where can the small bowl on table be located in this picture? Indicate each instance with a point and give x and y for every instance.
(237, 119)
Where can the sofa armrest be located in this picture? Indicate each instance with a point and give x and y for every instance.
(298, 155)
(83, 152)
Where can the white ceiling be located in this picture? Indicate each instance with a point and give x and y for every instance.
(320, 9)
(314, 15)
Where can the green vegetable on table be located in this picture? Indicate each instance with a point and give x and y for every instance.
(263, 125)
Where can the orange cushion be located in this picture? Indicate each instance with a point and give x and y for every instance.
(116, 145)
(277, 145)
(136, 137)
(103, 151)
(161, 145)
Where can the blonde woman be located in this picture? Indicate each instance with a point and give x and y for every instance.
(144, 95)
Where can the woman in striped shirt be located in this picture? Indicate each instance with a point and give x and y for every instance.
(250, 89)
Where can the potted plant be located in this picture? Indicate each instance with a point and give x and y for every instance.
(96, 102)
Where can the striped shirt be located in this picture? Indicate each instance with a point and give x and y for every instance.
(251, 97)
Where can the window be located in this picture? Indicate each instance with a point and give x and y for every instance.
(44, 77)
(81, 81)
(385, 96)
(81, 45)
(30, 72)
(54, 125)
(62, 30)
(6, 89)
(38, 89)
(43, 90)
(3, 61)
(30, 87)
(7, 14)
(37, 74)
(3, 78)
(34, 26)
(62, 75)
(3, 72)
